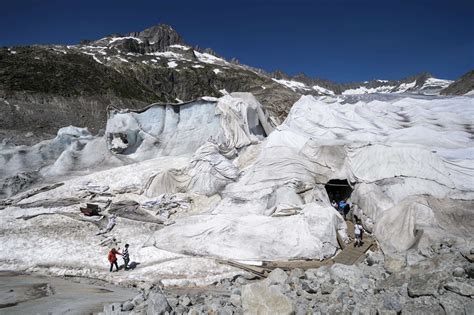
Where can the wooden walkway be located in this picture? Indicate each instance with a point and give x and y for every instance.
(349, 255)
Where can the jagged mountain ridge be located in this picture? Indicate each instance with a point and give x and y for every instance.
(463, 85)
(45, 87)
(423, 83)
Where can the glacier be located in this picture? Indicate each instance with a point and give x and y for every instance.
(253, 192)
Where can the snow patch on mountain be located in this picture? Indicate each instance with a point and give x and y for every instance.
(180, 47)
(172, 64)
(294, 85)
(322, 90)
(436, 83)
(365, 90)
(211, 59)
(115, 39)
(167, 54)
(303, 88)
(405, 87)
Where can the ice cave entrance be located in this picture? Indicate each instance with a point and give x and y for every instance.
(338, 189)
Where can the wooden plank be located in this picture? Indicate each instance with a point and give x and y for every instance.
(258, 271)
(351, 254)
(303, 264)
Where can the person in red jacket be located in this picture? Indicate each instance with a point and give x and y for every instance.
(113, 258)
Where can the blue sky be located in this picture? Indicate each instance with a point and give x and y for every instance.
(340, 40)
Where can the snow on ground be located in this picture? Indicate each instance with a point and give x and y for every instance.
(172, 64)
(59, 242)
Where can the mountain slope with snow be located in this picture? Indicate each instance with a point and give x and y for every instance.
(74, 84)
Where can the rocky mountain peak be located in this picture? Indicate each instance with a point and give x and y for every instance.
(302, 77)
(278, 74)
(160, 36)
(463, 85)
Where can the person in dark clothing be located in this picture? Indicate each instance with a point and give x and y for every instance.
(347, 209)
(126, 257)
(113, 259)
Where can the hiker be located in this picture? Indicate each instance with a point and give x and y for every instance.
(113, 259)
(342, 205)
(126, 257)
(358, 234)
(346, 210)
(334, 204)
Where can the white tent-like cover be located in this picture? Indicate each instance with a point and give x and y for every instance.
(242, 190)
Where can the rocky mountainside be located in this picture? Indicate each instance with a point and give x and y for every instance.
(461, 86)
(45, 87)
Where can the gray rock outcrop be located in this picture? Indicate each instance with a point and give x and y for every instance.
(461, 86)
(261, 298)
(159, 36)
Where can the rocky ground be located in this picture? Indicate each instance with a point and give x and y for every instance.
(440, 284)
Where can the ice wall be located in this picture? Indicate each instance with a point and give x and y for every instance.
(131, 136)
(72, 150)
(180, 129)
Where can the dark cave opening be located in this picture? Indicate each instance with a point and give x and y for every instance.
(338, 189)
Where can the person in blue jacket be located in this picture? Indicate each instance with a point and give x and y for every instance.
(342, 207)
